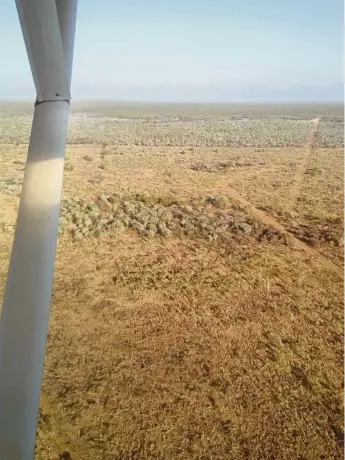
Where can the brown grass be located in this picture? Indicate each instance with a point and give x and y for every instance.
(183, 348)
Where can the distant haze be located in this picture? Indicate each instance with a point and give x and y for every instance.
(193, 51)
(214, 93)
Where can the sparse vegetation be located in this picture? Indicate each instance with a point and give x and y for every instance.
(11, 186)
(331, 133)
(199, 126)
(198, 299)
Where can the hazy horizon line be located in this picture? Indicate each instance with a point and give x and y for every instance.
(206, 102)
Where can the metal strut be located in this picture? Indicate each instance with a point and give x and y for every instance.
(48, 28)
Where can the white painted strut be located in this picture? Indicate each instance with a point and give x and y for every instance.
(25, 312)
(41, 31)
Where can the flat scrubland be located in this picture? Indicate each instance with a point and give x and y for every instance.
(197, 310)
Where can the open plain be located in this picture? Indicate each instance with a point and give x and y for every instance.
(197, 310)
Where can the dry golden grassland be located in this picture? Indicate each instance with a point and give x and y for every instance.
(197, 310)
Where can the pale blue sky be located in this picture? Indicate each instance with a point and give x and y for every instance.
(193, 50)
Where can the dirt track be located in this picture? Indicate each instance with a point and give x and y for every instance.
(309, 149)
(270, 221)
